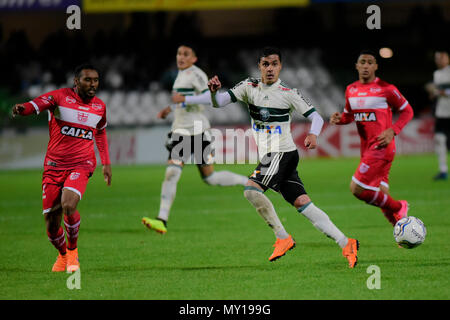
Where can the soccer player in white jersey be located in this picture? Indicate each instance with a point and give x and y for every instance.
(270, 103)
(440, 90)
(189, 129)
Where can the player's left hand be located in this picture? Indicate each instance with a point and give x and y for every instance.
(178, 98)
(311, 141)
(107, 174)
(385, 138)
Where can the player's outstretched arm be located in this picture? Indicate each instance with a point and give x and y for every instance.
(204, 98)
(335, 118)
(18, 109)
(218, 99)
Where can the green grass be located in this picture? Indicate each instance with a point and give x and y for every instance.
(217, 246)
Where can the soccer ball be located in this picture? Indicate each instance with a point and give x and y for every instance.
(409, 232)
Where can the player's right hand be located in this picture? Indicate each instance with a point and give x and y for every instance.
(17, 109)
(335, 118)
(214, 84)
(164, 112)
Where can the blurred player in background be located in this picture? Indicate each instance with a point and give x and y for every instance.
(189, 129)
(370, 102)
(271, 102)
(76, 118)
(439, 90)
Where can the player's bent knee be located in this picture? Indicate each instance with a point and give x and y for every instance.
(69, 206)
(302, 200)
(355, 189)
(173, 173)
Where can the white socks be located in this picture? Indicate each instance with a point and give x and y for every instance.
(322, 222)
(440, 147)
(318, 218)
(225, 178)
(265, 208)
(168, 190)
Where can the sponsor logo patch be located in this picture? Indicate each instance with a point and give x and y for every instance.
(267, 129)
(77, 132)
(365, 116)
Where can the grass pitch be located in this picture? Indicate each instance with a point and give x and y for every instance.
(218, 246)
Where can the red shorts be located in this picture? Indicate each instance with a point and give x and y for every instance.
(54, 181)
(371, 173)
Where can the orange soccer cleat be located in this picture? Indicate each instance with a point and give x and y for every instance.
(72, 260)
(350, 252)
(60, 263)
(281, 247)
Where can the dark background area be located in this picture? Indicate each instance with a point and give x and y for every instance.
(37, 47)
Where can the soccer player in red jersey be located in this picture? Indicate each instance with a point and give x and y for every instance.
(76, 118)
(370, 102)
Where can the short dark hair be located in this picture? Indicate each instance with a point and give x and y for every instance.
(84, 66)
(190, 44)
(267, 51)
(367, 51)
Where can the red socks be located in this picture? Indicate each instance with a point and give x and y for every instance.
(58, 240)
(380, 199)
(72, 225)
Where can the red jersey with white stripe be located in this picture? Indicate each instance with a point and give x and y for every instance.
(371, 106)
(73, 125)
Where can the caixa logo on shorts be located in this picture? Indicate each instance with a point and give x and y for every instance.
(365, 116)
(77, 132)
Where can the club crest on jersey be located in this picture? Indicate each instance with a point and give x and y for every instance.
(365, 116)
(375, 90)
(265, 114)
(82, 116)
(77, 132)
(70, 100)
(96, 106)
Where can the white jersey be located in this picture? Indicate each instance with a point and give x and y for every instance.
(190, 81)
(441, 79)
(270, 107)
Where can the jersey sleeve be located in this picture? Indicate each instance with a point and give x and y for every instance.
(239, 91)
(395, 99)
(301, 104)
(43, 102)
(200, 81)
(101, 139)
(102, 123)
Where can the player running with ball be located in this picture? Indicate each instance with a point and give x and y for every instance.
(76, 118)
(370, 102)
(270, 103)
